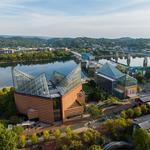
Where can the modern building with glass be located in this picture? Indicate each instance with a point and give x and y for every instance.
(116, 83)
(58, 99)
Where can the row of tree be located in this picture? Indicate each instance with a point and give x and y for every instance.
(34, 56)
(135, 112)
(89, 139)
(112, 129)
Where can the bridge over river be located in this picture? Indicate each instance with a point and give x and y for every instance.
(132, 69)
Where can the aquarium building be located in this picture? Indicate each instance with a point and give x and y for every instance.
(116, 83)
(58, 99)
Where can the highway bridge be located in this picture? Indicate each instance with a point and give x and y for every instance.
(131, 69)
(75, 53)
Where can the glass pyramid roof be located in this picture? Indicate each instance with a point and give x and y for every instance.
(127, 80)
(70, 81)
(39, 86)
(27, 84)
(57, 77)
(110, 71)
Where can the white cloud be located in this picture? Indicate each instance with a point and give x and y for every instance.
(133, 23)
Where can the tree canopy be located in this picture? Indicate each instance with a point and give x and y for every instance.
(141, 139)
(8, 139)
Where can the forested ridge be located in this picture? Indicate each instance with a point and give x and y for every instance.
(80, 42)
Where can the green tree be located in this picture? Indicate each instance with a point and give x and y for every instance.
(92, 83)
(22, 141)
(7, 105)
(65, 147)
(123, 114)
(91, 136)
(118, 129)
(4, 90)
(8, 139)
(139, 76)
(137, 111)
(18, 130)
(34, 138)
(94, 111)
(57, 134)
(75, 136)
(130, 113)
(141, 139)
(114, 99)
(46, 135)
(68, 133)
(144, 109)
(95, 147)
(76, 144)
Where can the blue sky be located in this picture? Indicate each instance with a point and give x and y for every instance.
(74, 18)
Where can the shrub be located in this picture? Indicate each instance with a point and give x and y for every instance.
(46, 135)
(95, 147)
(123, 114)
(34, 138)
(144, 109)
(22, 141)
(68, 133)
(57, 133)
(137, 111)
(130, 113)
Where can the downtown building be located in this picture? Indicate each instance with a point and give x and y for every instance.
(58, 99)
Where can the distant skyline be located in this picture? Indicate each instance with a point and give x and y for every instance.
(76, 18)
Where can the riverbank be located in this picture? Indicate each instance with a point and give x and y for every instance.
(34, 56)
(35, 68)
(32, 62)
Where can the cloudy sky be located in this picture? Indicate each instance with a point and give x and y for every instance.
(74, 18)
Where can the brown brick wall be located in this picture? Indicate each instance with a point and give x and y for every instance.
(42, 105)
(69, 98)
(74, 111)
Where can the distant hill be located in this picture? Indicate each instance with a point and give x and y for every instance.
(79, 42)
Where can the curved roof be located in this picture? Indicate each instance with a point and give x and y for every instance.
(110, 71)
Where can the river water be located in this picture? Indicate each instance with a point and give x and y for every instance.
(36, 69)
(62, 66)
(137, 61)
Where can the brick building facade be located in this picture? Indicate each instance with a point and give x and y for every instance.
(49, 101)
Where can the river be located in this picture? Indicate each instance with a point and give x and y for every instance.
(137, 61)
(62, 66)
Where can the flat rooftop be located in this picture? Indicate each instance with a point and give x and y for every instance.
(143, 122)
(145, 99)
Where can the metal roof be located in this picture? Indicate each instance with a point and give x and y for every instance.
(143, 122)
(110, 71)
(127, 80)
(145, 99)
